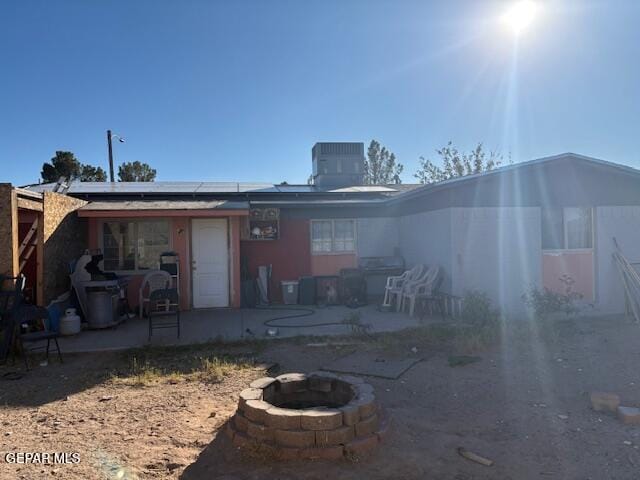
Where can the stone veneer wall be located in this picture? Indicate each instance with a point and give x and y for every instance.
(8, 230)
(65, 239)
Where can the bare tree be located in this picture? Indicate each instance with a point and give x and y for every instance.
(454, 163)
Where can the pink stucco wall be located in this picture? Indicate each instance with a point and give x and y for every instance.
(332, 264)
(180, 243)
(234, 255)
(576, 264)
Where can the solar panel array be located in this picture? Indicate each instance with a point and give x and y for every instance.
(187, 188)
(170, 187)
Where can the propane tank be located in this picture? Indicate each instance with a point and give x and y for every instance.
(70, 323)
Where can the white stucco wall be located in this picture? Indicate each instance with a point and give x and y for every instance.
(624, 224)
(499, 251)
(496, 251)
(377, 236)
(426, 238)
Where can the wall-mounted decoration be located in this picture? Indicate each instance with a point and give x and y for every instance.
(263, 224)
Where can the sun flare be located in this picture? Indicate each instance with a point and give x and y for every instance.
(520, 15)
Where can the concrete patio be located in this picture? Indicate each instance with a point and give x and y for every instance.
(200, 326)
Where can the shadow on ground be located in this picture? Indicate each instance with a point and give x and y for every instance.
(221, 460)
(218, 460)
(56, 381)
(45, 384)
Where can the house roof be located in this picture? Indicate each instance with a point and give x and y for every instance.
(165, 205)
(211, 188)
(432, 187)
(103, 195)
(162, 208)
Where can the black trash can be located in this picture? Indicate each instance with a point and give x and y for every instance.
(307, 291)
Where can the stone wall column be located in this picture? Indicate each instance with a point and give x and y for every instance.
(8, 230)
(64, 237)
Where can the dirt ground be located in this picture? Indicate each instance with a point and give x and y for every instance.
(524, 405)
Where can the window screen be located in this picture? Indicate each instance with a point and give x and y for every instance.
(566, 228)
(578, 227)
(131, 245)
(321, 235)
(333, 236)
(153, 239)
(552, 229)
(344, 236)
(118, 240)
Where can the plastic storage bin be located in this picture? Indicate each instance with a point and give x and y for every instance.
(289, 292)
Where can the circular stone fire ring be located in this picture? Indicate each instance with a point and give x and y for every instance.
(319, 415)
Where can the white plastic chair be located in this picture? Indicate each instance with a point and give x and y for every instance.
(152, 281)
(394, 286)
(410, 285)
(421, 289)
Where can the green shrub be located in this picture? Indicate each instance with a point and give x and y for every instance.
(354, 321)
(546, 302)
(477, 310)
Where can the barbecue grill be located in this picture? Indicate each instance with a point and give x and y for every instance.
(376, 270)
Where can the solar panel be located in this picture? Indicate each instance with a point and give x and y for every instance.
(187, 188)
(296, 188)
(364, 188)
(170, 187)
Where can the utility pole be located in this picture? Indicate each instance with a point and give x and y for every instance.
(110, 156)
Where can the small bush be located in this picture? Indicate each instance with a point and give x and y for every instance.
(546, 302)
(174, 365)
(354, 321)
(477, 310)
(477, 330)
(215, 369)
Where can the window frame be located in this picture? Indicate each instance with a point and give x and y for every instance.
(565, 233)
(136, 221)
(333, 235)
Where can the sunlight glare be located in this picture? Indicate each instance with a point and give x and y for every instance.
(520, 15)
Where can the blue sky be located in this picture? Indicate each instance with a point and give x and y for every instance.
(241, 90)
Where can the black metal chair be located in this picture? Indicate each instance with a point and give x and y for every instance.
(163, 310)
(36, 318)
(10, 301)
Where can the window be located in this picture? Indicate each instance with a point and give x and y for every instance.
(567, 228)
(552, 229)
(578, 227)
(321, 236)
(344, 236)
(134, 245)
(333, 236)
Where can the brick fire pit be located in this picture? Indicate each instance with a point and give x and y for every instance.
(319, 415)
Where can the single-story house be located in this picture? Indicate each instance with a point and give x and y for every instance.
(502, 232)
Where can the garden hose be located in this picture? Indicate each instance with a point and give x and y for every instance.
(301, 312)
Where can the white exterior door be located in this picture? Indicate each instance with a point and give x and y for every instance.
(210, 263)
